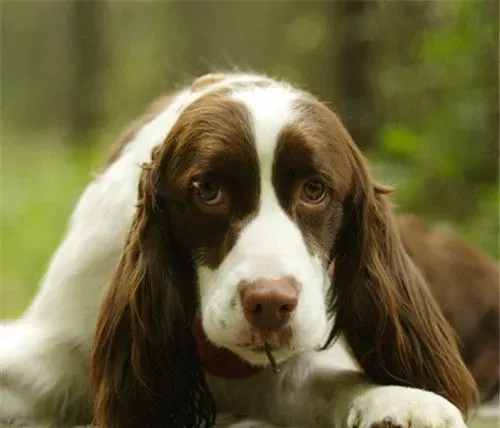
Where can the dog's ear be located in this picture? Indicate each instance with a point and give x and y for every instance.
(382, 304)
(145, 370)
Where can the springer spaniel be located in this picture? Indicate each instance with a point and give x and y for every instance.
(239, 231)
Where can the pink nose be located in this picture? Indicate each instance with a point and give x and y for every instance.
(268, 303)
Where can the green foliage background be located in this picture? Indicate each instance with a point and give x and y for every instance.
(433, 80)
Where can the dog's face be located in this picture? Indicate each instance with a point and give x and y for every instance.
(256, 183)
(255, 192)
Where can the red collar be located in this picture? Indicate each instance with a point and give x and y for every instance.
(220, 361)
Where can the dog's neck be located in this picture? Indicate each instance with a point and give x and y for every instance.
(220, 361)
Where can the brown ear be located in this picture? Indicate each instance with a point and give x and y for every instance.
(145, 370)
(383, 306)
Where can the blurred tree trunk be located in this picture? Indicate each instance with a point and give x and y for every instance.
(88, 56)
(355, 68)
(490, 59)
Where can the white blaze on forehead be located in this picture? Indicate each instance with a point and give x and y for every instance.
(271, 110)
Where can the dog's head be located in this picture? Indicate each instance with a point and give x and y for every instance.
(255, 194)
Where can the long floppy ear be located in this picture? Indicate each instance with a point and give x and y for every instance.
(145, 370)
(383, 306)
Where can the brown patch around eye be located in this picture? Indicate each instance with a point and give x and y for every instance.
(213, 176)
(313, 192)
(312, 175)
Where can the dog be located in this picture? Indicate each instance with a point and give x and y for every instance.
(235, 256)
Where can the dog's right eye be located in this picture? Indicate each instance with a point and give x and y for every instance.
(208, 192)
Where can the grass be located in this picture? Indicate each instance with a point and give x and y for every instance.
(41, 181)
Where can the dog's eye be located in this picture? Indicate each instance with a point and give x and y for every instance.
(313, 191)
(208, 192)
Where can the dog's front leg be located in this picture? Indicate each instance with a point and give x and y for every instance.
(311, 392)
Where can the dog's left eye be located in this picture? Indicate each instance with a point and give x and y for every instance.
(313, 191)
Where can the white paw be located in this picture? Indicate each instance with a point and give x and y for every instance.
(396, 406)
(229, 421)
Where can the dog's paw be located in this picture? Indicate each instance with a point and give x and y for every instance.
(396, 406)
(228, 421)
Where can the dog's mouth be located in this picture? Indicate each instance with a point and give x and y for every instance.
(267, 348)
(268, 341)
(262, 348)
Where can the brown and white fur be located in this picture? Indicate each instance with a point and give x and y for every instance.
(170, 256)
(465, 282)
